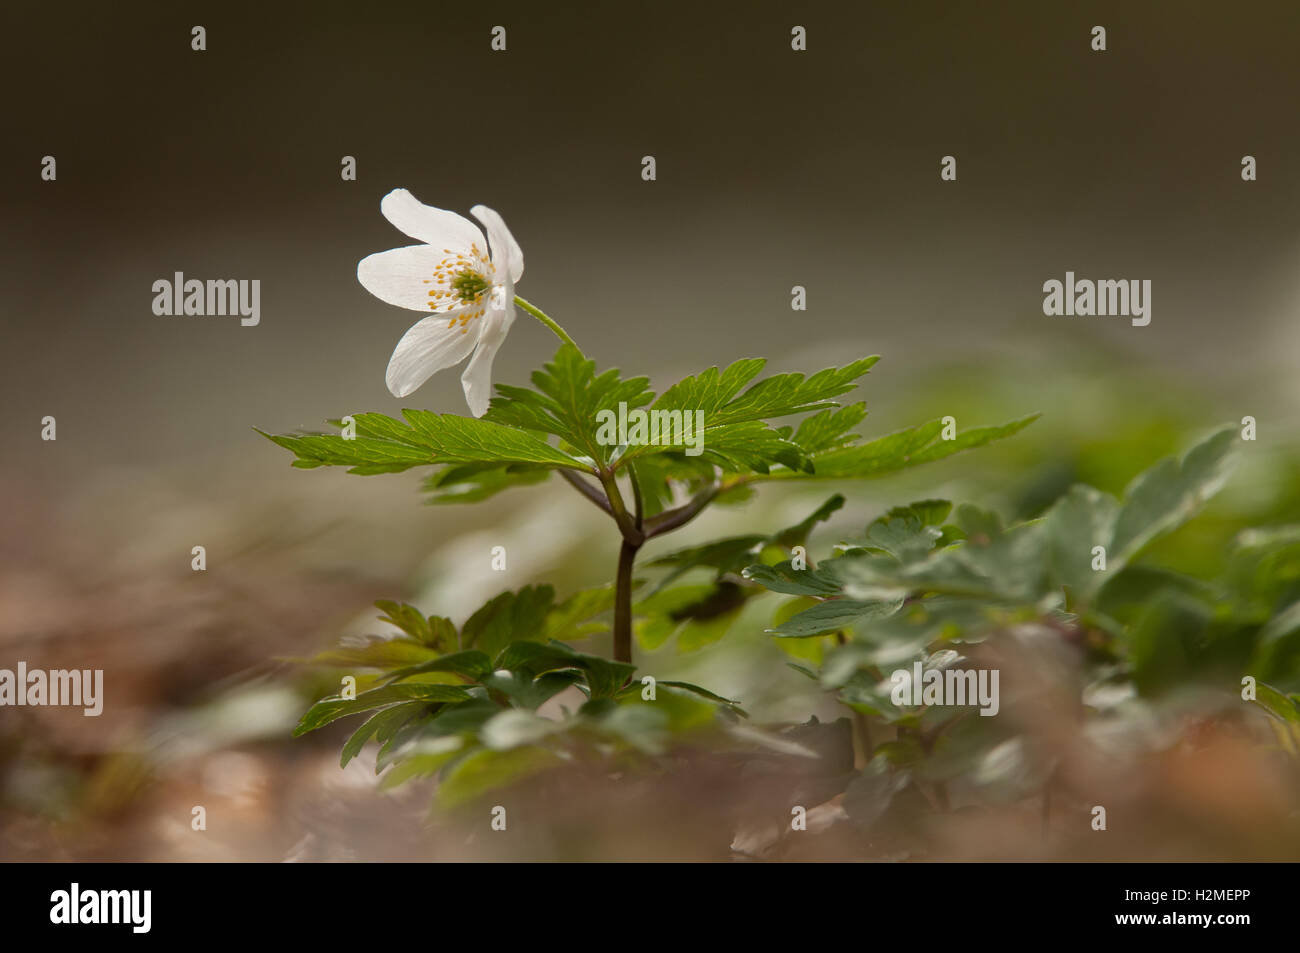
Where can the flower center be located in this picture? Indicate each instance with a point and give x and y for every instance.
(469, 285)
(461, 282)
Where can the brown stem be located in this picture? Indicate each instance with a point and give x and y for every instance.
(623, 602)
(863, 743)
(672, 519)
(587, 490)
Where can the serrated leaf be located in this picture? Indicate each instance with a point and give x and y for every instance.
(375, 652)
(901, 450)
(470, 664)
(1168, 494)
(407, 618)
(603, 677)
(385, 444)
(1079, 521)
(797, 534)
(835, 615)
(474, 483)
(334, 707)
(705, 693)
(735, 435)
(829, 429)
(508, 617)
(380, 725)
(567, 399)
(795, 582)
(722, 556)
(571, 619)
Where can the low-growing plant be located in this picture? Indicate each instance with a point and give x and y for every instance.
(924, 588)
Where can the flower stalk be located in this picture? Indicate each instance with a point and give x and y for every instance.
(547, 320)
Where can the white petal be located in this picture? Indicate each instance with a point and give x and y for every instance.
(506, 253)
(436, 226)
(406, 276)
(429, 346)
(477, 379)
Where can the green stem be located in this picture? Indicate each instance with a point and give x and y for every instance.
(627, 523)
(547, 320)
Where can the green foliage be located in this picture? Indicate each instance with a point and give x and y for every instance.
(386, 445)
(700, 615)
(567, 397)
(555, 425)
(915, 588)
(503, 698)
(486, 729)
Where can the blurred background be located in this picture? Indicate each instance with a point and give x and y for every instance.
(774, 169)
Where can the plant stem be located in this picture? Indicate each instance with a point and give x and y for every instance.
(627, 523)
(547, 320)
(623, 602)
(672, 519)
(587, 490)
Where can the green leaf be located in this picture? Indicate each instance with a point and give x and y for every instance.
(433, 631)
(735, 436)
(734, 554)
(696, 634)
(1080, 520)
(474, 483)
(908, 533)
(485, 770)
(1169, 494)
(386, 445)
(1278, 643)
(829, 429)
(380, 725)
(657, 476)
(464, 718)
(797, 535)
(722, 556)
(571, 619)
(603, 677)
(901, 450)
(796, 582)
(421, 760)
(663, 612)
(705, 693)
(527, 691)
(835, 615)
(330, 709)
(870, 794)
(568, 397)
(777, 396)
(407, 618)
(471, 664)
(508, 617)
(376, 652)
(1156, 502)
(1165, 641)
(515, 727)
(1277, 704)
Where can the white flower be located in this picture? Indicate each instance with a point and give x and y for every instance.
(469, 292)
